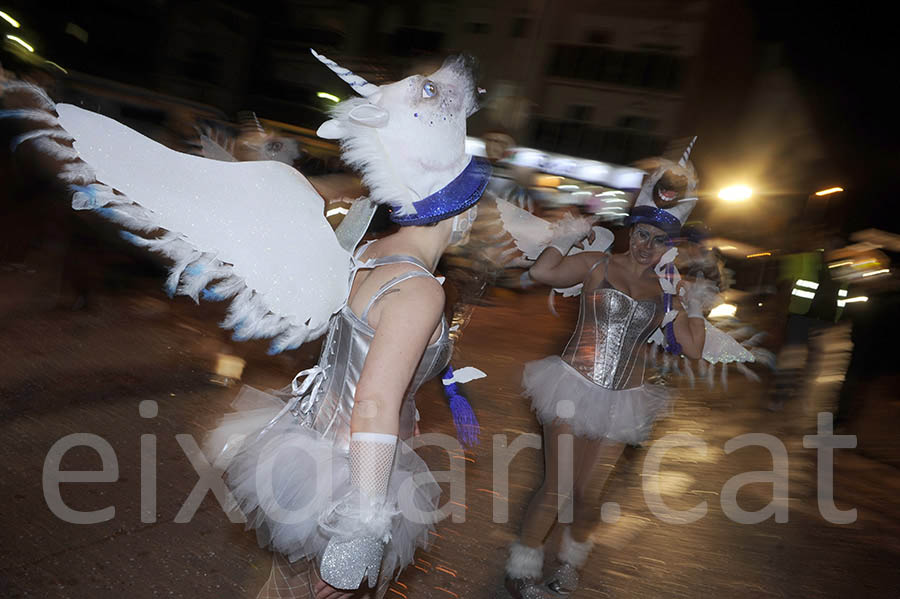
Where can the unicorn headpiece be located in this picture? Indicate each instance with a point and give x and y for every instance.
(668, 194)
(408, 141)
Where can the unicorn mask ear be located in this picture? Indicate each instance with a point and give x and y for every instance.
(369, 115)
(331, 130)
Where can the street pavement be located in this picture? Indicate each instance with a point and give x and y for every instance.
(89, 370)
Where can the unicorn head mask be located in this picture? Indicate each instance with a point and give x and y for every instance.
(668, 194)
(408, 140)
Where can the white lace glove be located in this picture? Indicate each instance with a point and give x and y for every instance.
(568, 231)
(360, 523)
(698, 296)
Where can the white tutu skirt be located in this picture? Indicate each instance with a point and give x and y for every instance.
(288, 478)
(558, 392)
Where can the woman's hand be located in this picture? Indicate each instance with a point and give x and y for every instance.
(570, 230)
(699, 296)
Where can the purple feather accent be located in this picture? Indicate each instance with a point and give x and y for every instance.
(464, 419)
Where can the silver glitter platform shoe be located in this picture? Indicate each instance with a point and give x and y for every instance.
(346, 562)
(564, 580)
(572, 556)
(525, 588)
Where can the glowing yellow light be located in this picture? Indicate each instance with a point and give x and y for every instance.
(327, 96)
(727, 247)
(20, 41)
(759, 255)
(723, 311)
(858, 298)
(866, 262)
(829, 191)
(9, 19)
(547, 180)
(51, 63)
(838, 264)
(338, 210)
(736, 193)
(875, 272)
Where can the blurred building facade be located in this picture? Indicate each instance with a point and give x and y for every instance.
(604, 79)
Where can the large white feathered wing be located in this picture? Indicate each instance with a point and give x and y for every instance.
(256, 231)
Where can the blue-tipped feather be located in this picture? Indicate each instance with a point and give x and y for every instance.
(464, 419)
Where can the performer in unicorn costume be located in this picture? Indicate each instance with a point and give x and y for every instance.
(322, 474)
(595, 391)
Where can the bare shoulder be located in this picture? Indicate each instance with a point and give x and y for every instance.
(594, 260)
(414, 298)
(422, 290)
(617, 259)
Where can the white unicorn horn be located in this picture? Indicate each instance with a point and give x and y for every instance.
(250, 121)
(359, 85)
(687, 152)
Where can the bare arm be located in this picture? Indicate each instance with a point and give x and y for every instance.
(690, 334)
(406, 321)
(552, 268)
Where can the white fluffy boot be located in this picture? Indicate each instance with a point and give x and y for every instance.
(523, 571)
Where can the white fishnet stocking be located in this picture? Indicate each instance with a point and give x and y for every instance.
(371, 462)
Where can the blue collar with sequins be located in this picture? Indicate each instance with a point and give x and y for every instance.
(452, 199)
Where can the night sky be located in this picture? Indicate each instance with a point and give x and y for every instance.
(844, 58)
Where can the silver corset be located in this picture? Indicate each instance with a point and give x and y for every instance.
(608, 345)
(344, 353)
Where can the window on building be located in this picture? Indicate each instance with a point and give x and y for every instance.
(611, 66)
(598, 36)
(590, 61)
(648, 70)
(521, 26)
(635, 69)
(579, 113)
(640, 123)
(664, 72)
(478, 28)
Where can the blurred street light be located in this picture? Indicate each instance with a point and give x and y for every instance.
(723, 311)
(736, 193)
(9, 19)
(327, 96)
(829, 191)
(53, 64)
(20, 41)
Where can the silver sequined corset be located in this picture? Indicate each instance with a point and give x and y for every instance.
(608, 345)
(343, 356)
